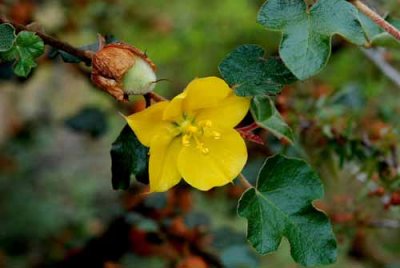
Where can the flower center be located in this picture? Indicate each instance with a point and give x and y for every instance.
(192, 133)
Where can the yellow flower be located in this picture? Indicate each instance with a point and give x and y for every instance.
(193, 136)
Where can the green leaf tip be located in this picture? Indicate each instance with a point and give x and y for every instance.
(306, 34)
(281, 206)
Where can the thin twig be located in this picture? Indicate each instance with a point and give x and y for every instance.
(376, 56)
(381, 22)
(84, 55)
(244, 181)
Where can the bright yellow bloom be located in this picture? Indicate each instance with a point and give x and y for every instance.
(193, 136)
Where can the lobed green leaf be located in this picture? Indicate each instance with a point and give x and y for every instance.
(281, 206)
(26, 48)
(306, 34)
(7, 37)
(250, 74)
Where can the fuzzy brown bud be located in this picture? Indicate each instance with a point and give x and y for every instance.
(123, 70)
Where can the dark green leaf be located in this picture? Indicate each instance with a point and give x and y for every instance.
(251, 74)
(89, 120)
(128, 157)
(27, 47)
(281, 205)
(267, 116)
(306, 43)
(7, 37)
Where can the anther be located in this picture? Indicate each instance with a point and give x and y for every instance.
(216, 135)
(203, 149)
(192, 129)
(186, 140)
(206, 123)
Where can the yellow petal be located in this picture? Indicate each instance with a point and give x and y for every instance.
(174, 110)
(229, 112)
(225, 159)
(148, 123)
(204, 93)
(163, 171)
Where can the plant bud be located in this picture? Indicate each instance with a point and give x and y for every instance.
(123, 70)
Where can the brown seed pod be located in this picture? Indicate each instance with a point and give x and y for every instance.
(123, 70)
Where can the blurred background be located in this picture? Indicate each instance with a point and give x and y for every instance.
(57, 206)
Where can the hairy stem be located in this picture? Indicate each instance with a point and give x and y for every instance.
(84, 55)
(375, 17)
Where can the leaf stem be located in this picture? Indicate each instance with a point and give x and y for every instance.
(245, 182)
(375, 17)
(84, 55)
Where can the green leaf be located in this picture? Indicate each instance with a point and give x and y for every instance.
(371, 29)
(90, 120)
(306, 43)
(267, 116)
(7, 37)
(27, 47)
(385, 39)
(281, 205)
(378, 37)
(128, 157)
(246, 70)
